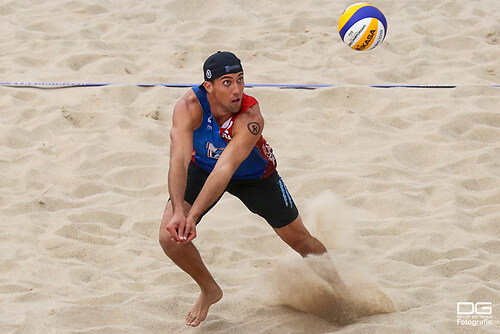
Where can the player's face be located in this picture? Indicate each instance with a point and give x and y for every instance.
(228, 90)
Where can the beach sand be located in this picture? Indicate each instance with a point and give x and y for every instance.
(401, 184)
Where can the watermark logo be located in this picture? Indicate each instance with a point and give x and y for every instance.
(474, 314)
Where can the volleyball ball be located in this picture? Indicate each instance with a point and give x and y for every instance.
(362, 26)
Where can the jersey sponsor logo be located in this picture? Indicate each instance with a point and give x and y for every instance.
(225, 130)
(268, 153)
(225, 134)
(209, 121)
(214, 152)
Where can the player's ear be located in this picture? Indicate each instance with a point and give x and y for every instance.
(209, 86)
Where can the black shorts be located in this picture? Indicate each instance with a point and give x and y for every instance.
(267, 198)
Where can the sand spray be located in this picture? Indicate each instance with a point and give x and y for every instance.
(309, 284)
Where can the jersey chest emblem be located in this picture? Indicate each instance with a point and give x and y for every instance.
(214, 152)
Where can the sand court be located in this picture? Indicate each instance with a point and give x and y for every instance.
(401, 184)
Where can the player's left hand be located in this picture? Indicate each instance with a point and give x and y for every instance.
(188, 233)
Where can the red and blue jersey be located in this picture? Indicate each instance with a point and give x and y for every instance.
(210, 140)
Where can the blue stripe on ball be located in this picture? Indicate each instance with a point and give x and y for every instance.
(362, 13)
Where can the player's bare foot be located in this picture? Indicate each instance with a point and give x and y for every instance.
(200, 310)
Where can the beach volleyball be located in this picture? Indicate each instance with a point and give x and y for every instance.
(362, 26)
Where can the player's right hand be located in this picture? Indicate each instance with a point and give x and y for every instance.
(180, 229)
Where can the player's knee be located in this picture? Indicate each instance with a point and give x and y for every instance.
(169, 246)
(307, 245)
(300, 244)
(165, 239)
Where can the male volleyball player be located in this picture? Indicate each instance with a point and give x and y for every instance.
(217, 146)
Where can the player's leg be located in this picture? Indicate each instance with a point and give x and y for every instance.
(187, 257)
(298, 237)
(270, 199)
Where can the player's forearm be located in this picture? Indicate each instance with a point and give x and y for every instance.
(214, 186)
(177, 179)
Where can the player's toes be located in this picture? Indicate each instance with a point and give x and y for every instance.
(195, 322)
(189, 318)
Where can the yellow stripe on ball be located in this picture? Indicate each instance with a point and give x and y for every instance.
(367, 39)
(347, 14)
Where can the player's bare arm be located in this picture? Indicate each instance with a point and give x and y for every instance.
(186, 118)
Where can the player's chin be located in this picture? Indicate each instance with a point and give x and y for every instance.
(235, 105)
